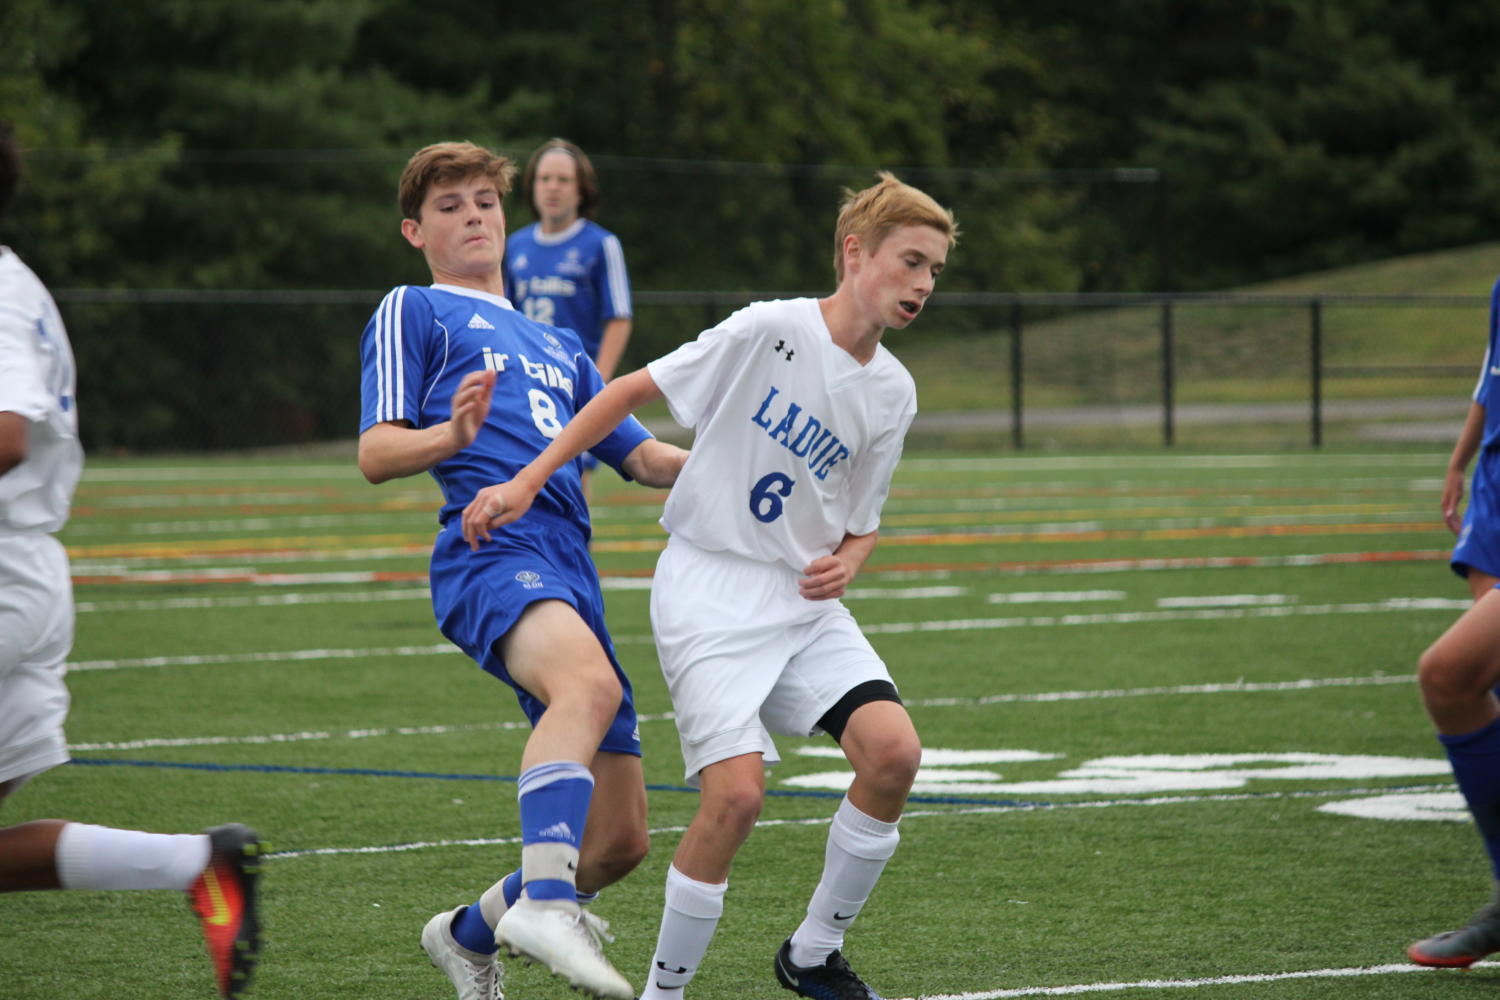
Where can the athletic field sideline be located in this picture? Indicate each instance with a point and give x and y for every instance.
(1173, 743)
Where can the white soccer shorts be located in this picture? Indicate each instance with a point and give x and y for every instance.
(745, 655)
(36, 634)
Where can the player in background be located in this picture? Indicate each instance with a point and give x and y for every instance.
(459, 384)
(40, 463)
(799, 415)
(565, 269)
(1476, 554)
(1457, 674)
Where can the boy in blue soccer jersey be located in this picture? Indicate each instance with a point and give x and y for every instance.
(1458, 673)
(459, 384)
(1476, 554)
(799, 414)
(565, 269)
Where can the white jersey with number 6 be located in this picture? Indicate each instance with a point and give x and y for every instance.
(795, 441)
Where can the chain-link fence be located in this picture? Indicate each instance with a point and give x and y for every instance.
(995, 372)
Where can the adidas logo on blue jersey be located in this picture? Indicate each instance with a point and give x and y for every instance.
(478, 322)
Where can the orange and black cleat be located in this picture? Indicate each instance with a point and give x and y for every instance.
(223, 896)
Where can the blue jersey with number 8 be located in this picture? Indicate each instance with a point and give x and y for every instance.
(419, 345)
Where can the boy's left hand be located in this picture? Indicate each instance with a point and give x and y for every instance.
(493, 507)
(825, 578)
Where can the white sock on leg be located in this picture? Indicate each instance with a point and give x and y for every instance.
(688, 921)
(858, 848)
(100, 857)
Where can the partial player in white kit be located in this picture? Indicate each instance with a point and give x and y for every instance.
(41, 461)
(799, 415)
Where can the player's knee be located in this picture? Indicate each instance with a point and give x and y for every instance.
(1444, 677)
(736, 808)
(891, 764)
(620, 855)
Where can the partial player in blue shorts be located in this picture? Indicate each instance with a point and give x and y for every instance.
(457, 383)
(1458, 673)
(1476, 555)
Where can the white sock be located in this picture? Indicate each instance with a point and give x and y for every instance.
(99, 857)
(858, 848)
(688, 921)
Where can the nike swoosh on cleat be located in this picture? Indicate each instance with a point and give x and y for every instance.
(219, 915)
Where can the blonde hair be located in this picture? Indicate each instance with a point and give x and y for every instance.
(444, 163)
(873, 213)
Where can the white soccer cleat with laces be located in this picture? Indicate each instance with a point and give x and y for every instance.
(567, 940)
(476, 976)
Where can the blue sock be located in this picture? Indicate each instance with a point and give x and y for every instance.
(554, 800)
(472, 930)
(1476, 767)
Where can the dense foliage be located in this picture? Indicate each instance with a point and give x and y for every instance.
(1085, 144)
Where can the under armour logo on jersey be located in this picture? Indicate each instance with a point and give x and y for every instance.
(478, 322)
(781, 348)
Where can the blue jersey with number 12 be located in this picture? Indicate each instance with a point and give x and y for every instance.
(574, 279)
(420, 344)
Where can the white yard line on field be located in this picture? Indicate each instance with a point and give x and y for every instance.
(1076, 463)
(1080, 989)
(1036, 697)
(908, 815)
(1390, 606)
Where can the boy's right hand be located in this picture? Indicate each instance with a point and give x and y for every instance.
(471, 404)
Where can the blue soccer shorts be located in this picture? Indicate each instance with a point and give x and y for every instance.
(478, 596)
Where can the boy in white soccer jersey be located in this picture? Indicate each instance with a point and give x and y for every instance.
(40, 463)
(459, 384)
(799, 414)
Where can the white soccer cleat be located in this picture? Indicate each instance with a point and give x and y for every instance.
(566, 940)
(476, 976)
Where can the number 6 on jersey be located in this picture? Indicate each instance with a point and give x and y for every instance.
(768, 495)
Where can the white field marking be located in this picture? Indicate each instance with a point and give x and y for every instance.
(420, 594)
(1225, 601)
(903, 593)
(279, 656)
(234, 473)
(258, 601)
(1056, 596)
(1441, 806)
(128, 567)
(1140, 617)
(1154, 774)
(891, 628)
(932, 757)
(1232, 687)
(957, 756)
(1073, 464)
(153, 743)
(153, 501)
(1188, 984)
(1138, 524)
(278, 522)
(911, 814)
